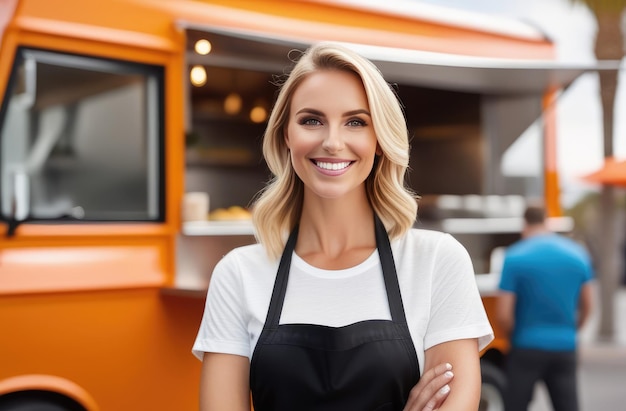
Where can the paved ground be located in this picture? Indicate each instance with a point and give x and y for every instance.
(602, 370)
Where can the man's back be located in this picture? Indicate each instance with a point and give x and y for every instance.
(546, 273)
(546, 296)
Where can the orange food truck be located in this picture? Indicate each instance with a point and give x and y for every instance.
(130, 151)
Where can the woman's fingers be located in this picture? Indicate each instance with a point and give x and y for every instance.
(436, 400)
(431, 390)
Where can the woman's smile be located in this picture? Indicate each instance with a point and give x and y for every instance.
(332, 168)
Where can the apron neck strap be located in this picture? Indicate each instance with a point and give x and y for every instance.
(389, 272)
(280, 284)
(388, 267)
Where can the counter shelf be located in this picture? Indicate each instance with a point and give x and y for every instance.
(218, 228)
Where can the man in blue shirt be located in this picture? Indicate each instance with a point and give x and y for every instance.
(546, 296)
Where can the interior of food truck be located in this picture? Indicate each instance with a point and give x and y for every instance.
(224, 137)
(233, 80)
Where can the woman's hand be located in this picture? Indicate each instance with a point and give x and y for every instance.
(431, 390)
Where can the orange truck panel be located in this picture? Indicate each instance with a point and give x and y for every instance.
(129, 349)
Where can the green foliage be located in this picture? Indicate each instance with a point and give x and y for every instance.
(603, 6)
(577, 211)
(584, 212)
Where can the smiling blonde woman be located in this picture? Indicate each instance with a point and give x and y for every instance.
(342, 305)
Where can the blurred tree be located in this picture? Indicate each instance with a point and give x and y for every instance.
(609, 45)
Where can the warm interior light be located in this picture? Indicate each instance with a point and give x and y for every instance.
(232, 103)
(203, 47)
(258, 114)
(198, 76)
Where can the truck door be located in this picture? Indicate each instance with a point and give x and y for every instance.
(84, 241)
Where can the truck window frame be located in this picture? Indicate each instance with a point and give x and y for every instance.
(154, 124)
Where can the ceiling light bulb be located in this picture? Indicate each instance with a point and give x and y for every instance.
(232, 103)
(198, 76)
(258, 114)
(203, 47)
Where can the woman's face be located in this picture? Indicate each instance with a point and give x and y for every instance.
(330, 133)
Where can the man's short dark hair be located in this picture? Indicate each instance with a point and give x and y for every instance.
(535, 214)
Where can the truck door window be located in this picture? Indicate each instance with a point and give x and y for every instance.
(81, 139)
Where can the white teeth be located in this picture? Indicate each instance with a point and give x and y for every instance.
(332, 166)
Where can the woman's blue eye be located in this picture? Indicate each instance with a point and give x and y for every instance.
(356, 123)
(310, 122)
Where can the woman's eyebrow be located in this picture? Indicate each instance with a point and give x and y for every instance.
(355, 112)
(310, 111)
(307, 110)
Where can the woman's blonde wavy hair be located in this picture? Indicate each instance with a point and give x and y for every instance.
(277, 208)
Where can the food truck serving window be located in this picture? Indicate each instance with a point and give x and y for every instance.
(81, 139)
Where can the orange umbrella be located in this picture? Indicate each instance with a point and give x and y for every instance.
(613, 172)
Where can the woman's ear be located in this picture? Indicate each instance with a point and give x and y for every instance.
(379, 151)
(286, 138)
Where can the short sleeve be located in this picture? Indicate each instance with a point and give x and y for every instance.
(457, 311)
(223, 327)
(507, 277)
(588, 267)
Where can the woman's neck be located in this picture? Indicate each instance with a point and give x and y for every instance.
(336, 233)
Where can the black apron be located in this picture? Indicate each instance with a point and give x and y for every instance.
(367, 366)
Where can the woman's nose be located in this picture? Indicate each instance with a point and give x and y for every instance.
(333, 140)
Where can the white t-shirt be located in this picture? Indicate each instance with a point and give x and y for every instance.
(439, 293)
